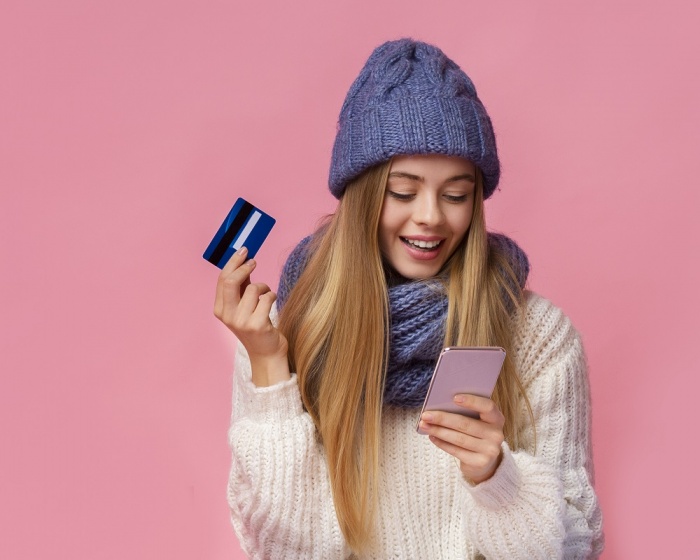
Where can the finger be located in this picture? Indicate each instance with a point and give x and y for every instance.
(458, 422)
(265, 301)
(238, 258)
(473, 465)
(464, 455)
(234, 283)
(233, 263)
(251, 299)
(487, 410)
(487, 445)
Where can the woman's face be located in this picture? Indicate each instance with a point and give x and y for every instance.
(427, 210)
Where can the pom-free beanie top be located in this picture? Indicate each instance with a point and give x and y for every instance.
(411, 99)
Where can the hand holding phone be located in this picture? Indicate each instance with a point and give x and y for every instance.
(463, 370)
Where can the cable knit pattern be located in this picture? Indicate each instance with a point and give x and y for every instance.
(535, 506)
(416, 335)
(411, 99)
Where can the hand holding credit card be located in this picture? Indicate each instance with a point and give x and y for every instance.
(245, 226)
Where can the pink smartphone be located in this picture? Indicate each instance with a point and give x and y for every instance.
(459, 369)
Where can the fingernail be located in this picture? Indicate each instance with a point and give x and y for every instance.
(242, 251)
(251, 263)
(459, 399)
(428, 417)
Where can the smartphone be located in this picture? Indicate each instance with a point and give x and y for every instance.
(460, 369)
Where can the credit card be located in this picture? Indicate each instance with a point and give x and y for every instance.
(246, 226)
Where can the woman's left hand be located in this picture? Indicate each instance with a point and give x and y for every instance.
(476, 443)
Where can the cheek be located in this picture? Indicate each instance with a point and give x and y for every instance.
(460, 222)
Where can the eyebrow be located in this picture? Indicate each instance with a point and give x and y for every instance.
(412, 177)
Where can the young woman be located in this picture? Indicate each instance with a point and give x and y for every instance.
(329, 381)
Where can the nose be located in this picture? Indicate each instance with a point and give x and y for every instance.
(427, 210)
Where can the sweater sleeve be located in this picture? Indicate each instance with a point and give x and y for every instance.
(278, 492)
(544, 505)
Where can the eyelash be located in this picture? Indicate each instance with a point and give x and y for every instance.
(456, 199)
(400, 196)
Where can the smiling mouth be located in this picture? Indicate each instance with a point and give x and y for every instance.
(421, 245)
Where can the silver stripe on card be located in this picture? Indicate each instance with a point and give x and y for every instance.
(250, 224)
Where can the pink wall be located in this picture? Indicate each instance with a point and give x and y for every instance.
(128, 128)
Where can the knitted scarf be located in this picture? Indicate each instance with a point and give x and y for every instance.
(418, 314)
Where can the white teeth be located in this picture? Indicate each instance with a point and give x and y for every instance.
(423, 244)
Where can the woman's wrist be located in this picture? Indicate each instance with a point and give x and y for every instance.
(473, 481)
(269, 370)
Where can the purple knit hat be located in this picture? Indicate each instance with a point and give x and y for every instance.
(411, 99)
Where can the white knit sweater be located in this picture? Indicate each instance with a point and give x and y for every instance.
(535, 506)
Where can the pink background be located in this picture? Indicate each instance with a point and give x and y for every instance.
(127, 130)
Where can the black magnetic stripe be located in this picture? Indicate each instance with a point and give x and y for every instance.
(245, 211)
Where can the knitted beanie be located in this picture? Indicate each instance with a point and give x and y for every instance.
(411, 99)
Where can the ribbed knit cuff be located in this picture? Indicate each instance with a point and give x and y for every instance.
(502, 488)
(271, 405)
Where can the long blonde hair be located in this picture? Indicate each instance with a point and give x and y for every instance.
(336, 321)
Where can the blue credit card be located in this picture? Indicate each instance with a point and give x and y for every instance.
(245, 226)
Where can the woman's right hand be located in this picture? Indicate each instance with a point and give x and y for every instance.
(244, 307)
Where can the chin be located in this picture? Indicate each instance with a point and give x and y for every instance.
(418, 272)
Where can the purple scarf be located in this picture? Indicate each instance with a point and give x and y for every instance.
(418, 313)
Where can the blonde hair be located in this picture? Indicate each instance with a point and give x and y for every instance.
(336, 321)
